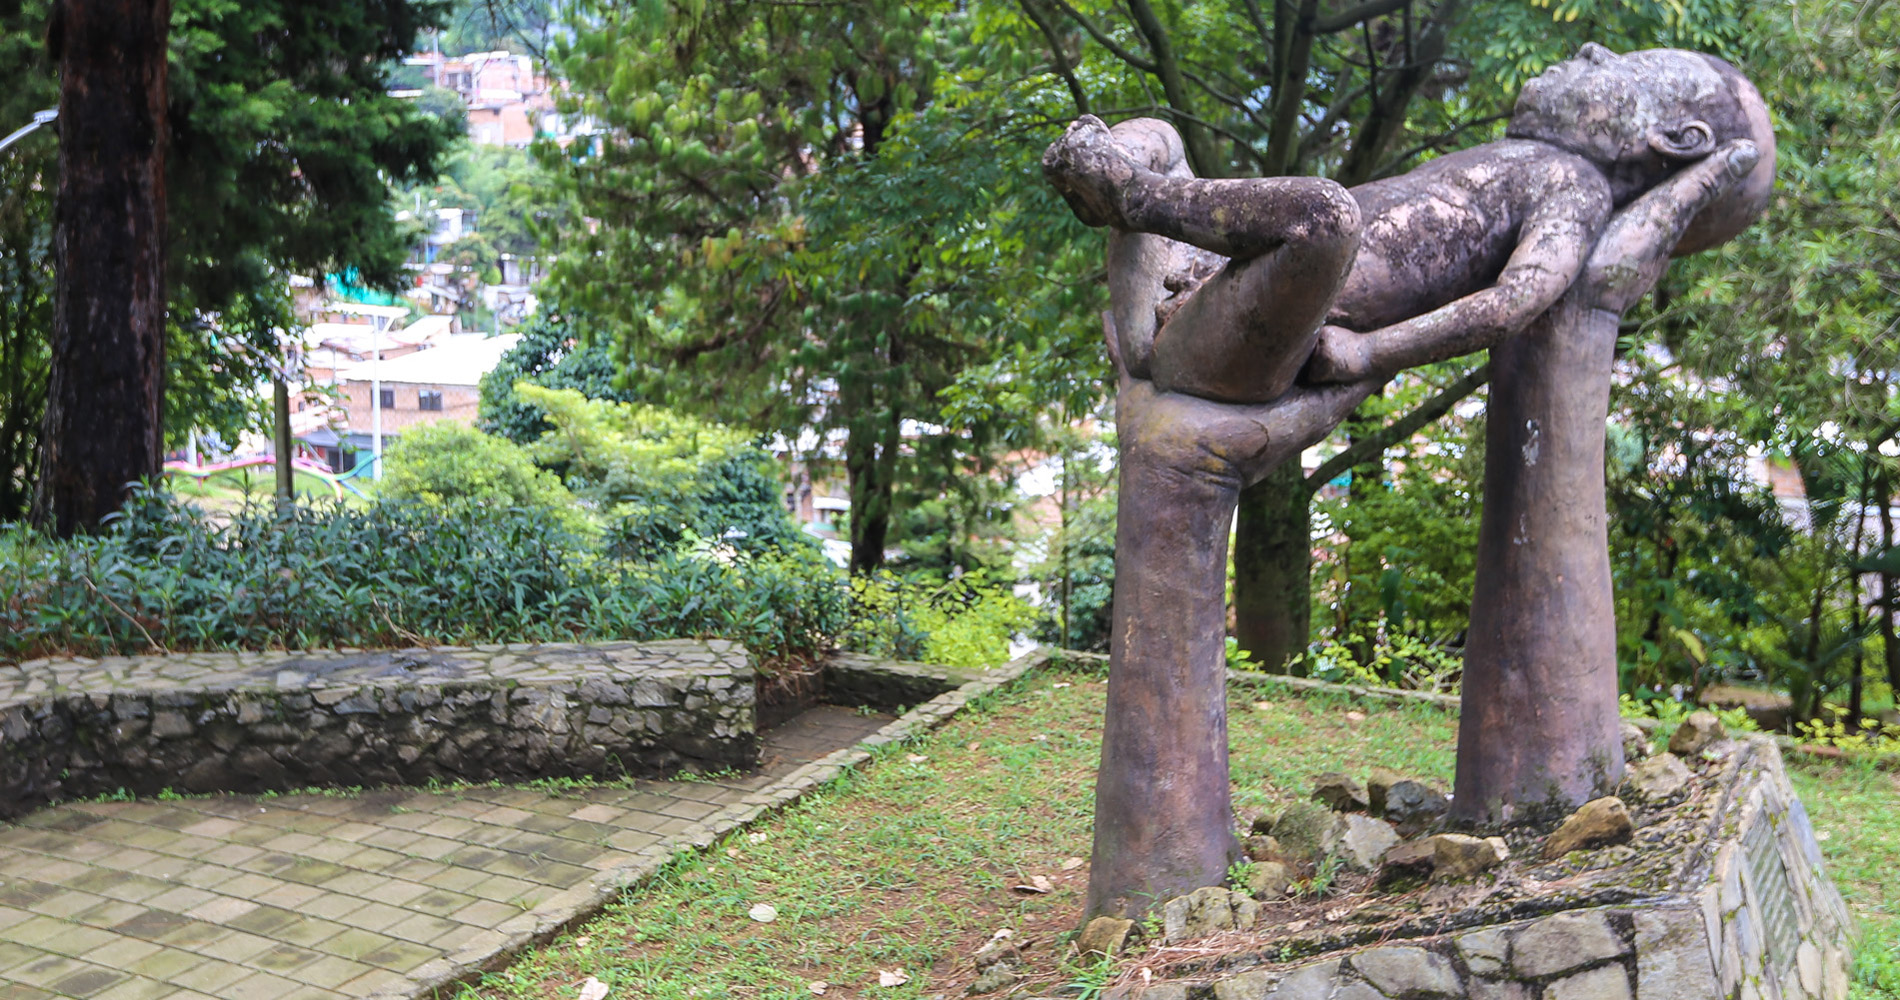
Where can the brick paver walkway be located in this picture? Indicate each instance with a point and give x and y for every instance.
(324, 896)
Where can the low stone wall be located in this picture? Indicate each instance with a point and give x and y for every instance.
(855, 679)
(1754, 917)
(262, 721)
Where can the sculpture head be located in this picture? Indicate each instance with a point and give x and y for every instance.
(1644, 115)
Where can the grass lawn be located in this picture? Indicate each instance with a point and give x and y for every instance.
(905, 867)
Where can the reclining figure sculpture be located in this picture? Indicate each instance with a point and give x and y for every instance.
(1249, 317)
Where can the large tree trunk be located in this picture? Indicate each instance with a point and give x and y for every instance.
(1539, 722)
(102, 429)
(1273, 568)
(1164, 821)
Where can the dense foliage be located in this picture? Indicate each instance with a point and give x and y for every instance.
(555, 352)
(166, 576)
(283, 144)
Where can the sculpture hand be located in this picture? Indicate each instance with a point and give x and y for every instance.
(1339, 355)
(1634, 249)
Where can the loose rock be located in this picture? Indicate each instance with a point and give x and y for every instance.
(1455, 855)
(1360, 841)
(1412, 806)
(1660, 776)
(1377, 782)
(1635, 741)
(1264, 849)
(1698, 732)
(1301, 828)
(999, 948)
(1340, 792)
(994, 978)
(1411, 855)
(1597, 823)
(1269, 880)
(1105, 936)
(1206, 911)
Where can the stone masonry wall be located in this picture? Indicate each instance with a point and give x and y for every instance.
(260, 721)
(855, 679)
(1761, 921)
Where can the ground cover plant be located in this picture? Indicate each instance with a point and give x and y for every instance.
(899, 871)
(166, 576)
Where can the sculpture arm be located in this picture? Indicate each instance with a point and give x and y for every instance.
(1549, 256)
(1636, 246)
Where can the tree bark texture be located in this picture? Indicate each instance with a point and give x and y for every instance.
(1273, 567)
(1164, 822)
(102, 429)
(1539, 721)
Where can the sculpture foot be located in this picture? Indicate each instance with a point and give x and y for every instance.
(1090, 170)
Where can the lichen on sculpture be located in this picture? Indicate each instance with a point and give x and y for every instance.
(1249, 317)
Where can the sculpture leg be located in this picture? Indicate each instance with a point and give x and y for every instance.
(1115, 178)
(1538, 726)
(1164, 821)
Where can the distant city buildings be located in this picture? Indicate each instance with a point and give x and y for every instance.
(509, 102)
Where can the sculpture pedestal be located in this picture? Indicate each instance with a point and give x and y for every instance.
(1743, 910)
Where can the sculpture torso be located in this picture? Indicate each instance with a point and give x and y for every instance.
(1446, 229)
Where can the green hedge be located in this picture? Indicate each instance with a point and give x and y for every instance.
(166, 576)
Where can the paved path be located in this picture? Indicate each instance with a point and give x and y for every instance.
(325, 896)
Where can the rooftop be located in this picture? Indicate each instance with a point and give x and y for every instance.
(462, 361)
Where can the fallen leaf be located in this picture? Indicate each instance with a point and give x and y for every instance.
(1338, 914)
(1355, 716)
(915, 758)
(757, 838)
(1823, 834)
(1071, 864)
(892, 977)
(1062, 685)
(593, 989)
(1263, 706)
(764, 913)
(1041, 737)
(583, 941)
(1296, 926)
(818, 987)
(732, 852)
(1037, 885)
(973, 746)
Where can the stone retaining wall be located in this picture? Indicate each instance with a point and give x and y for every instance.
(271, 721)
(1756, 919)
(855, 679)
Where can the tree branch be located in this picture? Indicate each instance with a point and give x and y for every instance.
(1364, 12)
(1200, 151)
(1398, 430)
(1035, 14)
(1102, 39)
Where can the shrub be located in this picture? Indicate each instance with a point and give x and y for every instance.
(466, 473)
(967, 622)
(308, 576)
(660, 476)
(554, 353)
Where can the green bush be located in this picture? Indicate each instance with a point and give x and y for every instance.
(553, 353)
(466, 473)
(660, 477)
(967, 622)
(164, 575)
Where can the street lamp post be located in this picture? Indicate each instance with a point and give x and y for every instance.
(39, 118)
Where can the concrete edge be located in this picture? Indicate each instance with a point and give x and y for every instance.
(582, 903)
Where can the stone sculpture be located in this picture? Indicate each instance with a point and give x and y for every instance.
(1249, 317)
